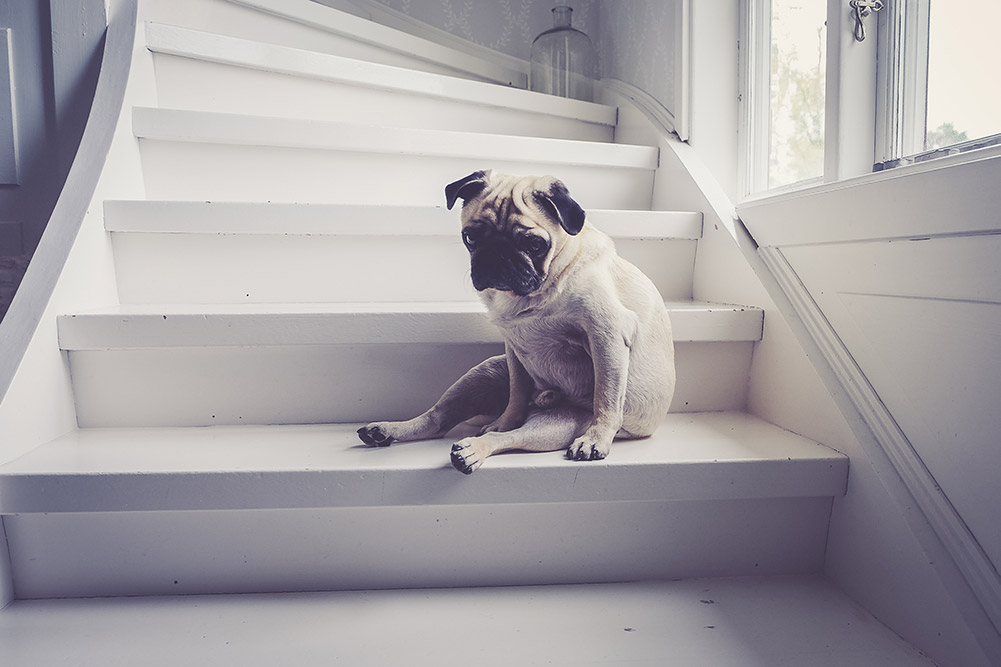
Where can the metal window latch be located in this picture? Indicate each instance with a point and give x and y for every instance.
(862, 9)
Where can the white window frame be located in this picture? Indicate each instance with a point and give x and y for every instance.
(755, 116)
(902, 80)
(848, 115)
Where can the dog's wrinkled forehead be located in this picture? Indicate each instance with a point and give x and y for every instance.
(496, 198)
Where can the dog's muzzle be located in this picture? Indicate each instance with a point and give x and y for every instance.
(504, 269)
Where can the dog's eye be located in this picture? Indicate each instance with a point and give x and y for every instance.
(536, 245)
(471, 236)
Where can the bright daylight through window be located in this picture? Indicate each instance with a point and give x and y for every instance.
(797, 67)
(964, 59)
(936, 91)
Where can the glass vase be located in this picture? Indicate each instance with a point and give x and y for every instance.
(563, 60)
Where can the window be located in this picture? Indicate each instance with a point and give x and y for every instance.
(814, 99)
(790, 64)
(964, 54)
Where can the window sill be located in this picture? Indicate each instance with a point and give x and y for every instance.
(815, 187)
(950, 196)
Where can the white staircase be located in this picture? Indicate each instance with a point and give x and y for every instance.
(292, 272)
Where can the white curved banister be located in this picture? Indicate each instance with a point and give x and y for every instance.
(32, 297)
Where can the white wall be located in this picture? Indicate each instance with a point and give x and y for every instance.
(506, 27)
(637, 46)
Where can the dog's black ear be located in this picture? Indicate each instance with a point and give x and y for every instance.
(467, 187)
(561, 207)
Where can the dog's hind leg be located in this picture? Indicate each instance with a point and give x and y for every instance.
(483, 390)
(543, 431)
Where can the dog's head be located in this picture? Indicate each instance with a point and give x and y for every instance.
(513, 226)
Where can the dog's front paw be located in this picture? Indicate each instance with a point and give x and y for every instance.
(465, 457)
(589, 447)
(375, 435)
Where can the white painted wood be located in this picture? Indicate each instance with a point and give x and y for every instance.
(850, 98)
(220, 157)
(145, 326)
(916, 303)
(930, 521)
(247, 551)
(306, 25)
(501, 528)
(241, 129)
(943, 198)
(213, 172)
(882, 526)
(198, 252)
(193, 217)
(725, 623)
(210, 72)
(67, 271)
(903, 232)
(310, 363)
(184, 83)
(705, 456)
(18, 326)
(257, 268)
(304, 384)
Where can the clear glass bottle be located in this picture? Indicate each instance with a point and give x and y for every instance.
(563, 60)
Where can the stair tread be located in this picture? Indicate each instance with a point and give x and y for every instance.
(227, 128)
(692, 456)
(199, 45)
(728, 622)
(201, 217)
(187, 325)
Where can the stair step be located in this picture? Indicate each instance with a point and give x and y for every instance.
(309, 25)
(210, 72)
(195, 155)
(732, 622)
(219, 217)
(706, 456)
(290, 363)
(282, 508)
(145, 326)
(708, 494)
(202, 252)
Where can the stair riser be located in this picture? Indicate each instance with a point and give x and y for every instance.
(184, 83)
(228, 18)
(324, 384)
(141, 553)
(218, 172)
(204, 268)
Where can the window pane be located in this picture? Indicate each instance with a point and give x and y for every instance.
(964, 56)
(798, 73)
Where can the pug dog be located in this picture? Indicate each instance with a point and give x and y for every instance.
(588, 350)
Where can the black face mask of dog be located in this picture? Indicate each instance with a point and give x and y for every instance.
(510, 232)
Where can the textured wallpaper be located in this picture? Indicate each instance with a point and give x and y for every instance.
(637, 44)
(508, 26)
(635, 39)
